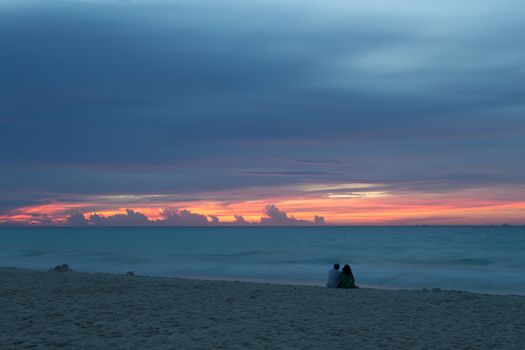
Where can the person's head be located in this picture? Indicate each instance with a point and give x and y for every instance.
(336, 266)
(347, 270)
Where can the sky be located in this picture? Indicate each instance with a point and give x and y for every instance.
(377, 112)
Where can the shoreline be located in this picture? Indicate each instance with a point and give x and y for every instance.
(271, 281)
(79, 310)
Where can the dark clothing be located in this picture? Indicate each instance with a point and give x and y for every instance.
(347, 281)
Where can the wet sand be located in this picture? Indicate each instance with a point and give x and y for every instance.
(49, 310)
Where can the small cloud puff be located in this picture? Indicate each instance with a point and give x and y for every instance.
(131, 218)
(182, 218)
(277, 217)
(77, 219)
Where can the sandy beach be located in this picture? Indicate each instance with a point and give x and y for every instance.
(99, 311)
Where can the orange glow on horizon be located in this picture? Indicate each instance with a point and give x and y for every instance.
(462, 207)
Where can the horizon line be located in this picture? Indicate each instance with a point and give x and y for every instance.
(257, 226)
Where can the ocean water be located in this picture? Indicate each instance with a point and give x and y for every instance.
(479, 259)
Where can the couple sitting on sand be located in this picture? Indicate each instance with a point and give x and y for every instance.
(341, 279)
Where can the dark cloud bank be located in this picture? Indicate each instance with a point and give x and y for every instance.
(274, 217)
(188, 97)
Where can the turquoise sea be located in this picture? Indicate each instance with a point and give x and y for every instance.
(480, 259)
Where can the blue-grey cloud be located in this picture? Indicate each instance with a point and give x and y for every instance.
(184, 218)
(77, 219)
(130, 218)
(289, 173)
(274, 217)
(162, 96)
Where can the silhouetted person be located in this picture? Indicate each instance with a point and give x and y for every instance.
(334, 277)
(347, 278)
